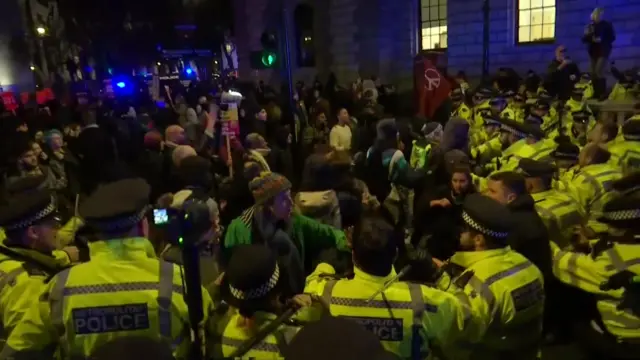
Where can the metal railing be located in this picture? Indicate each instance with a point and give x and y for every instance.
(618, 110)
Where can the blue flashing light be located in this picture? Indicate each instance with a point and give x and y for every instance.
(121, 84)
(189, 71)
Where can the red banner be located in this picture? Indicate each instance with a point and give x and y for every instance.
(432, 87)
(24, 97)
(44, 95)
(9, 100)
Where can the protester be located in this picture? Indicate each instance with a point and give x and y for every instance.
(272, 221)
(599, 36)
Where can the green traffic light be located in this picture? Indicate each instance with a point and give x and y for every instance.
(268, 59)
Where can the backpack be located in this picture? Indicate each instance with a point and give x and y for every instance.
(320, 205)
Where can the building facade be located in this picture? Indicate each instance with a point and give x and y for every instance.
(362, 38)
(22, 51)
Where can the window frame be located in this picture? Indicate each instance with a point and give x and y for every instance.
(422, 22)
(517, 24)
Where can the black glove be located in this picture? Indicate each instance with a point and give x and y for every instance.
(423, 269)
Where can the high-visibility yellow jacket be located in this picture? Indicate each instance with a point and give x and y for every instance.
(67, 232)
(407, 318)
(487, 151)
(21, 283)
(234, 334)
(588, 272)
(620, 92)
(587, 87)
(560, 213)
(62, 258)
(124, 290)
(505, 293)
(463, 111)
(591, 186)
(478, 115)
(509, 158)
(625, 155)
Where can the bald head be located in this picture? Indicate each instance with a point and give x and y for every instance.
(174, 134)
(182, 152)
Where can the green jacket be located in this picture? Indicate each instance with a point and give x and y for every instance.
(309, 236)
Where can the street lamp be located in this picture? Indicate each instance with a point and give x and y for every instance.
(44, 67)
(33, 68)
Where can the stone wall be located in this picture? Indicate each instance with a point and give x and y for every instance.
(366, 37)
(353, 38)
(465, 35)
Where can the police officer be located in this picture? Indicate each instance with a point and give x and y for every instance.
(517, 139)
(406, 317)
(565, 158)
(615, 334)
(460, 109)
(591, 183)
(64, 235)
(575, 102)
(480, 106)
(503, 290)
(578, 123)
(253, 284)
(559, 212)
(26, 258)
(626, 154)
(543, 109)
(124, 290)
(585, 85)
(518, 106)
(498, 105)
(485, 144)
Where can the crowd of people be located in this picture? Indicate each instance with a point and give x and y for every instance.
(483, 233)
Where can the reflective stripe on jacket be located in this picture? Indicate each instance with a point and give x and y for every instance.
(588, 272)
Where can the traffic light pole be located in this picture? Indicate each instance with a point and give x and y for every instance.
(485, 40)
(286, 67)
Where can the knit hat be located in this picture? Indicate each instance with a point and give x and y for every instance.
(267, 185)
(455, 158)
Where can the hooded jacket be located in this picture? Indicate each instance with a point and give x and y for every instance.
(456, 135)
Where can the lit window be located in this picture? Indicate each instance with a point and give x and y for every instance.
(536, 20)
(434, 24)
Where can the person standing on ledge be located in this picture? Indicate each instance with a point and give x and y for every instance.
(599, 35)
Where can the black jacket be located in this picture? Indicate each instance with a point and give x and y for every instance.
(442, 223)
(604, 30)
(560, 82)
(529, 236)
